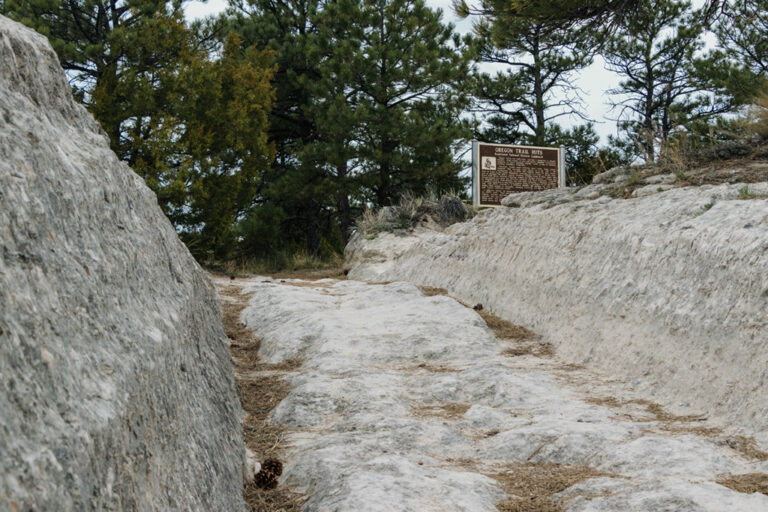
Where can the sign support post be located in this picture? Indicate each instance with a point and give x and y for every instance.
(561, 171)
(475, 175)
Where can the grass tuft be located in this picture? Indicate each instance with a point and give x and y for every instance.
(412, 211)
(748, 483)
(533, 485)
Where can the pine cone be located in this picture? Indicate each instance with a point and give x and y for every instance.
(266, 478)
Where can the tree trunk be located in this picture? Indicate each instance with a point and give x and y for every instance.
(342, 202)
(538, 91)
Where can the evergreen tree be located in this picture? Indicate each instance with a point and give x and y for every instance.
(367, 109)
(407, 108)
(536, 87)
(584, 157)
(223, 134)
(93, 39)
(295, 194)
(596, 14)
(333, 154)
(655, 54)
(523, 102)
(744, 34)
(287, 28)
(738, 67)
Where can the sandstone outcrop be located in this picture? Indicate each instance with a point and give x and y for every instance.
(666, 290)
(401, 401)
(116, 386)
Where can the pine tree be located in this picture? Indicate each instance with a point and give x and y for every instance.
(738, 67)
(224, 135)
(367, 109)
(655, 54)
(744, 34)
(295, 191)
(407, 107)
(332, 153)
(596, 14)
(525, 99)
(94, 38)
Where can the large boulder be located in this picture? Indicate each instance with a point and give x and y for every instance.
(116, 387)
(667, 291)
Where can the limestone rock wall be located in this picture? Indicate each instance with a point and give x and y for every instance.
(668, 291)
(116, 387)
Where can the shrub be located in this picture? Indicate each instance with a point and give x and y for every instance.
(412, 211)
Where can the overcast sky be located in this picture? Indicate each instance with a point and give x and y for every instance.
(594, 80)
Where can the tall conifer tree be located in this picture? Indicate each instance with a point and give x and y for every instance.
(368, 108)
(655, 55)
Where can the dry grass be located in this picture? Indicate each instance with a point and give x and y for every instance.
(231, 310)
(450, 410)
(261, 394)
(730, 162)
(746, 446)
(310, 274)
(657, 412)
(279, 499)
(260, 387)
(571, 367)
(663, 416)
(282, 265)
(305, 284)
(436, 369)
(530, 349)
(430, 291)
(526, 342)
(412, 211)
(756, 122)
(532, 485)
(505, 330)
(690, 429)
(607, 401)
(748, 483)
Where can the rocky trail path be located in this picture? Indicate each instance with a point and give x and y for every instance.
(392, 398)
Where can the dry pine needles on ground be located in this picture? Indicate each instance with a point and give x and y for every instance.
(260, 387)
(533, 485)
(748, 483)
(520, 341)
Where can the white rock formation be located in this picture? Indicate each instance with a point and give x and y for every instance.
(668, 291)
(116, 387)
(404, 403)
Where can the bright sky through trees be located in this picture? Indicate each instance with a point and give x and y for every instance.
(594, 80)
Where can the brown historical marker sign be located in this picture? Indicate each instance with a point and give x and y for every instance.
(502, 169)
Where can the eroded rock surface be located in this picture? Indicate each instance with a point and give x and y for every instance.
(405, 402)
(116, 387)
(667, 291)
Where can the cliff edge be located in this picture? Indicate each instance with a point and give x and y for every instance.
(116, 386)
